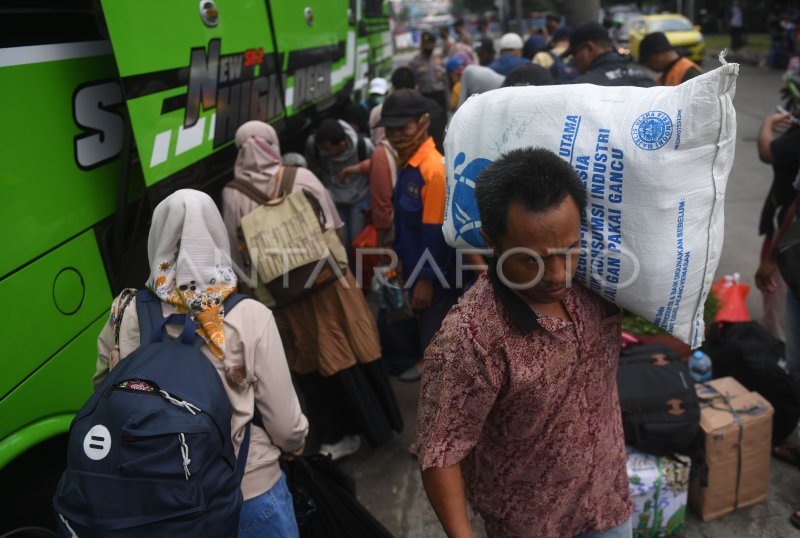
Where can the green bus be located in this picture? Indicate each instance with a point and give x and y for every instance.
(109, 107)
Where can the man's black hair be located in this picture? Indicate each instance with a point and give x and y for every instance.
(356, 115)
(330, 130)
(536, 177)
(529, 74)
(403, 78)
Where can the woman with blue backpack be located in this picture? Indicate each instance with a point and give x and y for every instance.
(239, 391)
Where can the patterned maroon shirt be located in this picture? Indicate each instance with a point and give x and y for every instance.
(529, 406)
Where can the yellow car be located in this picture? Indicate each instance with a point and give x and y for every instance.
(685, 38)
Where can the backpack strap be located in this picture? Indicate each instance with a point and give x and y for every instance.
(125, 297)
(148, 309)
(361, 148)
(152, 320)
(241, 459)
(249, 190)
(233, 300)
(288, 175)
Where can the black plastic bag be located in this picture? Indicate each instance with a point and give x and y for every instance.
(747, 352)
(325, 503)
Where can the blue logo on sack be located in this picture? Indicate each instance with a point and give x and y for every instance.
(652, 130)
(466, 219)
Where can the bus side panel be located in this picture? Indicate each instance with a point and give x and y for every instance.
(49, 302)
(59, 146)
(190, 83)
(381, 48)
(58, 388)
(320, 46)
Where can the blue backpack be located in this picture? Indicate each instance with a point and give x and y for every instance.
(150, 452)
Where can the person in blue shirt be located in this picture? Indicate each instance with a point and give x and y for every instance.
(428, 263)
(510, 54)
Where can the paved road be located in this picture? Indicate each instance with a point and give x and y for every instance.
(388, 478)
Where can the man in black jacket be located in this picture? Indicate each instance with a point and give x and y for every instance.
(591, 48)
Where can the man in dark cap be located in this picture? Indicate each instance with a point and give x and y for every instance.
(429, 72)
(593, 54)
(656, 53)
(528, 75)
(428, 263)
(403, 78)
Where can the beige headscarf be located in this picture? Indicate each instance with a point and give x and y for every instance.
(259, 156)
(190, 262)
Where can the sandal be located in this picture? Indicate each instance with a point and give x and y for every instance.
(788, 453)
(795, 518)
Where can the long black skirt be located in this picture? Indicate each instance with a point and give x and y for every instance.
(356, 401)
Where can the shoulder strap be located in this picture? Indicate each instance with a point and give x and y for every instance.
(288, 174)
(249, 190)
(233, 300)
(148, 308)
(361, 148)
(126, 297)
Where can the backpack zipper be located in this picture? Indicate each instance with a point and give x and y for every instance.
(185, 455)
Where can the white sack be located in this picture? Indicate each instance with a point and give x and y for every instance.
(655, 162)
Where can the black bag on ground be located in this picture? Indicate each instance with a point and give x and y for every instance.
(325, 503)
(747, 352)
(660, 412)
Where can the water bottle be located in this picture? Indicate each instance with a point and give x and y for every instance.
(700, 367)
(388, 288)
(396, 293)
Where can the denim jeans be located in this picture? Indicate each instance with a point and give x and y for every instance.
(354, 221)
(623, 531)
(270, 514)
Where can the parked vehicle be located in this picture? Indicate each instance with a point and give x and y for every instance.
(683, 36)
(108, 108)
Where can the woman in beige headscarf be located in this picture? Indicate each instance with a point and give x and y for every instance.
(330, 337)
(191, 273)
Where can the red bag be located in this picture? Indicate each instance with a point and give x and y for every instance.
(732, 297)
(368, 238)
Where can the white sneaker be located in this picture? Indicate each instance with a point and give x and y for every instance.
(348, 445)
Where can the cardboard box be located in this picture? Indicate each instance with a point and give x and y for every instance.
(736, 426)
(659, 487)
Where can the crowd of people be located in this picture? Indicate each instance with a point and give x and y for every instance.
(379, 166)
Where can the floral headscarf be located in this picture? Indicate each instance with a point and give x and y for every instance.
(190, 262)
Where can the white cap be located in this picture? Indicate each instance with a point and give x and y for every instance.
(378, 85)
(511, 41)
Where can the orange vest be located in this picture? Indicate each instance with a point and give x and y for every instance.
(674, 75)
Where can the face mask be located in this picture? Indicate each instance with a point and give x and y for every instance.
(375, 100)
(408, 144)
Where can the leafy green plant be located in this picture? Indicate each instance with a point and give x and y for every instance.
(633, 324)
